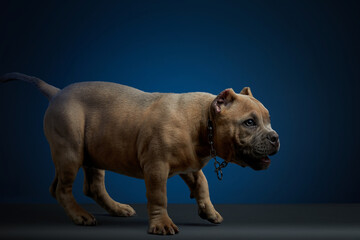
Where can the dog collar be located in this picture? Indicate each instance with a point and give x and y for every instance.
(218, 166)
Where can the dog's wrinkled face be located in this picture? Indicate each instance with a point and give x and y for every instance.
(243, 130)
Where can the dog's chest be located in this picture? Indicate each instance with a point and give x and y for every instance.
(187, 166)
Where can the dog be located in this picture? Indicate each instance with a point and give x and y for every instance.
(152, 136)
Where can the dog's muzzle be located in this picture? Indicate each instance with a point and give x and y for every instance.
(257, 155)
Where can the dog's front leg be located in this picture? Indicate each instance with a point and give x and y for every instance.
(199, 188)
(156, 175)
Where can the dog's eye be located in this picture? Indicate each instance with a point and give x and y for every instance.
(250, 123)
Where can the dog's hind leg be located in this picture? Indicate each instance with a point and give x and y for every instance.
(94, 187)
(64, 126)
(67, 165)
(67, 155)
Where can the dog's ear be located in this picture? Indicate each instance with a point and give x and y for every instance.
(246, 91)
(225, 98)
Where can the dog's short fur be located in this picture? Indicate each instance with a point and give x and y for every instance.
(106, 126)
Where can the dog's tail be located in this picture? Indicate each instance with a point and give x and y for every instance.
(48, 90)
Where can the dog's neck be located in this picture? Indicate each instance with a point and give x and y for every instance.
(203, 147)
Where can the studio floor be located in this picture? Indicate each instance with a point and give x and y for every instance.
(309, 221)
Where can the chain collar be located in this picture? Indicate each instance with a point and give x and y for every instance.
(218, 166)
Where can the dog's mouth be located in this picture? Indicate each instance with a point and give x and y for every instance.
(265, 160)
(258, 163)
(255, 160)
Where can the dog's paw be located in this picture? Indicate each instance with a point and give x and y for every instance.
(209, 213)
(122, 210)
(84, 219)
(164, 226)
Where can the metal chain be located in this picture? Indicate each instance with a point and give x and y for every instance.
(218, 166)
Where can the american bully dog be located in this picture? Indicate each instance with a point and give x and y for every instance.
(153, 136)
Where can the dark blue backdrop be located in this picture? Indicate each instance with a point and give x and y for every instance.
(301, 59)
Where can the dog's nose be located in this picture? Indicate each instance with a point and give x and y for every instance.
(273, 137)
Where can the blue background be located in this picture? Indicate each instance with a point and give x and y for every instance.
(300, 58)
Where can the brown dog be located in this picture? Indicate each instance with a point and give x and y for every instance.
(106, 126)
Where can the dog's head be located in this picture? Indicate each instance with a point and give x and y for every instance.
(243, 132)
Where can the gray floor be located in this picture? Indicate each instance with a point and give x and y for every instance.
(323, 221)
